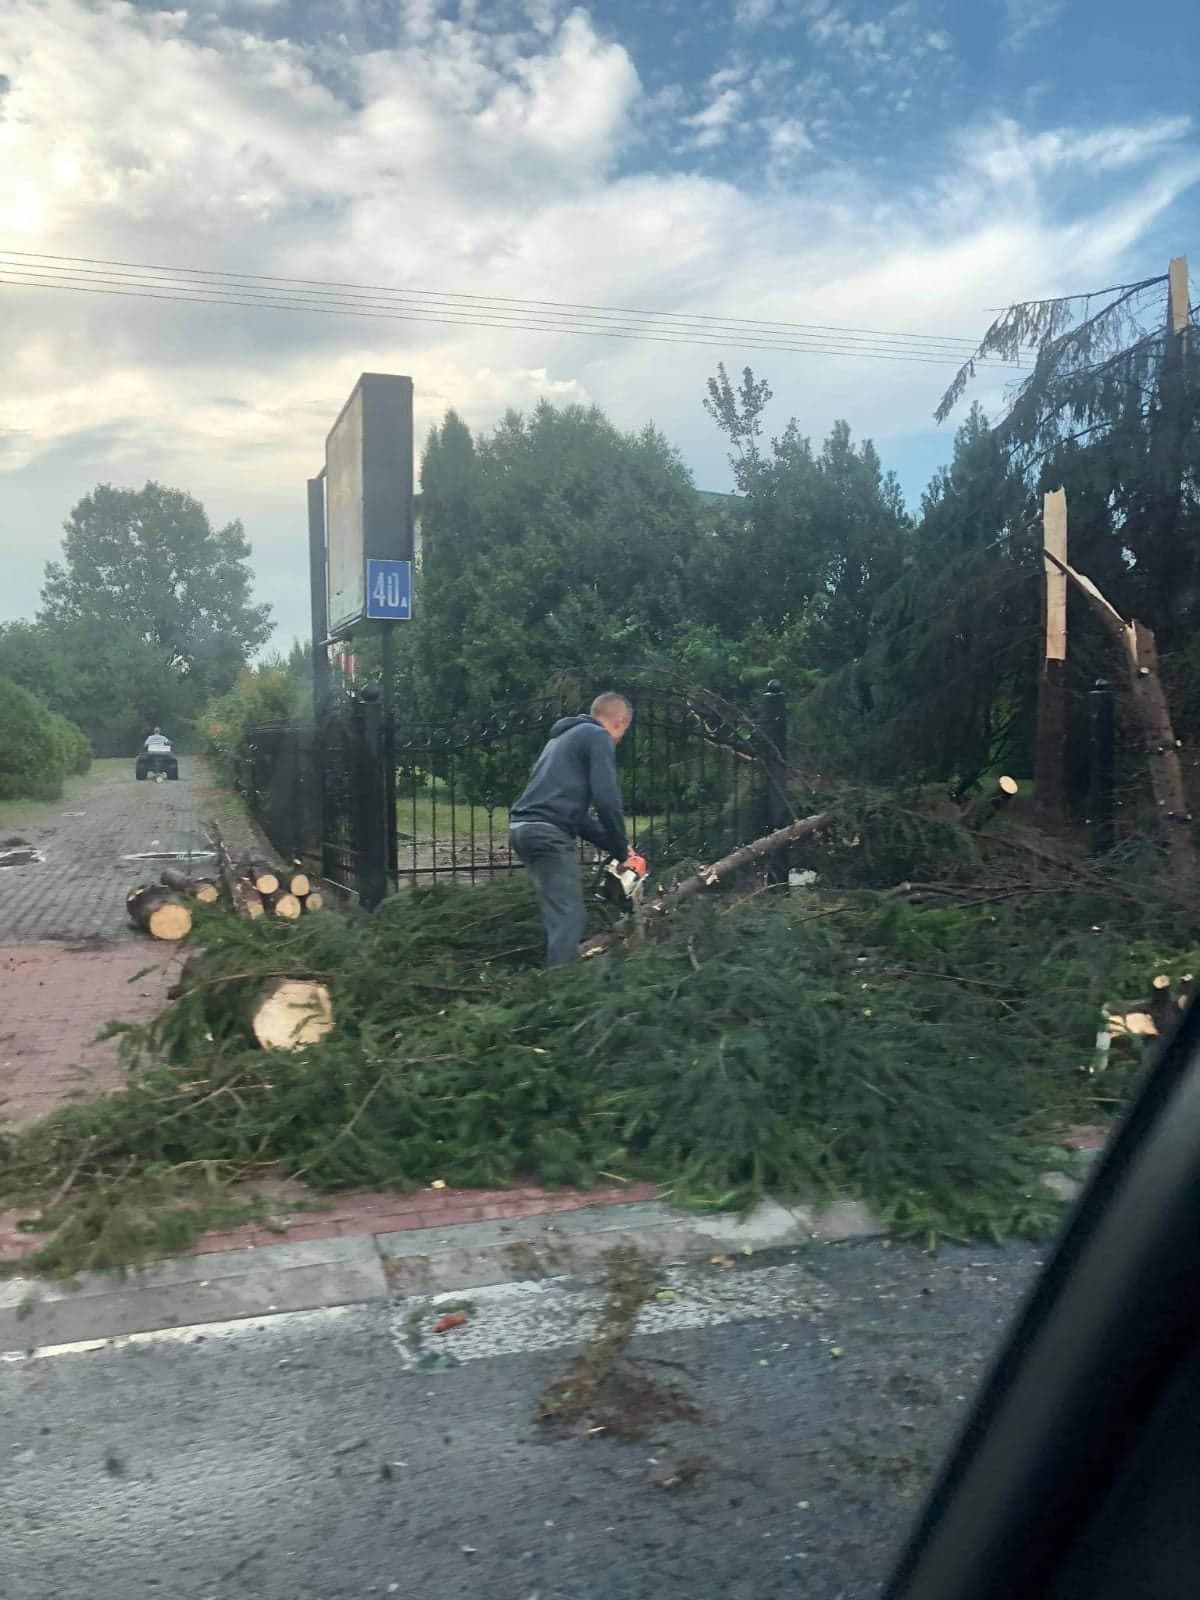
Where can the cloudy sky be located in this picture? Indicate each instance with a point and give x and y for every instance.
(903, 167)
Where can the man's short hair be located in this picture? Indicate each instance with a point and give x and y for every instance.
(612, 705)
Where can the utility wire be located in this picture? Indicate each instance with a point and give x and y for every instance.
(490, 302)
(152, 283)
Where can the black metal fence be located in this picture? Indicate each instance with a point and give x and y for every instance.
(371, 803)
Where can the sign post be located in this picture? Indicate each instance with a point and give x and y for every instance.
(361, 513)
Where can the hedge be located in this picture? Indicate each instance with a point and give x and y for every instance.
(73, 743)
(37, 747)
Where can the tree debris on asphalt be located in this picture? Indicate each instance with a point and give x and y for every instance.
(918, 1045)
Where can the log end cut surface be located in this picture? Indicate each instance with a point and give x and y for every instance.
(170, 922)
(294, 1014)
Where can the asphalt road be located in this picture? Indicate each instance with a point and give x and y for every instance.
(312, 1458)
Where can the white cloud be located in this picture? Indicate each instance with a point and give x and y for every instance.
(711, 126)
(478, 162)
(752, 13)
(1006, 154)
(1027, 17)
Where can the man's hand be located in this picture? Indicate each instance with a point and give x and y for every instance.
(636, 863)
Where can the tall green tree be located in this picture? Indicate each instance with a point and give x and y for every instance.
(821, 535)
(148, 562)
(556, 544)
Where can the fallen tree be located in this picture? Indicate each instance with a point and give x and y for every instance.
(715, 876)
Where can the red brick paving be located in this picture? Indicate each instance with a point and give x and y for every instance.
(364, 1211)
(54, 1000)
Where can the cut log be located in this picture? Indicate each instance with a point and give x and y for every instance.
(202, 889)
(292, 1014)
(283, 905)
(158, 912)
(713, 877)
(297, 883)
(313, 900)
(262, 875)
(985, 806)
(247, 900)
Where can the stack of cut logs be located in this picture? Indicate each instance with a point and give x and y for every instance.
(254, 888)
(259, 889)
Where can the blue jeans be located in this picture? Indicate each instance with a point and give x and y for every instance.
(552, 857)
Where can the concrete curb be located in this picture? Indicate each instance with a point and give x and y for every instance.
(36, 1313)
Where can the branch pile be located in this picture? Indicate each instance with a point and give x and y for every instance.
(921, 1056)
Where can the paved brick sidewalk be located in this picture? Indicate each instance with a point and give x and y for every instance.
(67, 955)
(54, 1000)
(78, 891)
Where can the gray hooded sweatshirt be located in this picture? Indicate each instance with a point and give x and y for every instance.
(576, 774)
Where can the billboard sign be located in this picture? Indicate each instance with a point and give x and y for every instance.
(369, 501)
(344, 515)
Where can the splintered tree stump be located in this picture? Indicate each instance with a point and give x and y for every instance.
(158, 912)
(292, 1014)
(283, 905)
(313, 900)
(203, 890)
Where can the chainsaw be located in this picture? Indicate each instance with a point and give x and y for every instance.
(620, 883)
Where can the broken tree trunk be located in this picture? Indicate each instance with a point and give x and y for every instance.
(713, 877)
(158, 912)
(291, 1014)
(1139, 654)
(202, 889)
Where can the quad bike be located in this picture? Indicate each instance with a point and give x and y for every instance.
(156, 765)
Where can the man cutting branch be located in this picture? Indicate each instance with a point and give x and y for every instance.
(572, 794)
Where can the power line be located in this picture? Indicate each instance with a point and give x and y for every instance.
(162, 284)
(489, 302)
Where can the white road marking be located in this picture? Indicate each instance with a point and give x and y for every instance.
(508, 1318)
(548, 1314)
(195, 1333)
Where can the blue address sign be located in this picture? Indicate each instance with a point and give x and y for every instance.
(389, 591)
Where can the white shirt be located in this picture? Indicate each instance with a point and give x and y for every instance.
(158, 741)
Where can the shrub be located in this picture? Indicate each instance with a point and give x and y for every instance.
(73, 744)
(33, 757)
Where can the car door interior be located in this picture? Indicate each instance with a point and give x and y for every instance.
(1077, 1476)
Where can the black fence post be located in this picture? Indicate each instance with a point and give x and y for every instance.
(776, 811)
(373, 842)
(1101, 765)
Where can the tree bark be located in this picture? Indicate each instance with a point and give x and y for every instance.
(202, 889)
(712, 877)
(158, 912)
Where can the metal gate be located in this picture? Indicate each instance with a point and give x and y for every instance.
(697, 779)
(374, 805)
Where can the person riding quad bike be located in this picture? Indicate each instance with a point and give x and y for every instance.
(156, 759)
